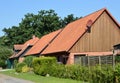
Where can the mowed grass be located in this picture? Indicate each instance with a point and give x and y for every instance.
(37, 78)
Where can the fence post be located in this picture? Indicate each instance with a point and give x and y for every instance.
(88, 61)
(99, 60)
(88, 66)
(114, 54)
(113, 62)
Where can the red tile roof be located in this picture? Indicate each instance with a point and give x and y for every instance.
(62, 40)
(43, 43)
(31, 41)
(12, 56)
(18, 46)
(23, 47)
(72, 32)
(17, 55)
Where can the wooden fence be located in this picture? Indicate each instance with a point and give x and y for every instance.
(95, 60)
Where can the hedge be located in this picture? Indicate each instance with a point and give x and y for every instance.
(20, 66)
(48, 65)
(95, 74)
(28, 60)
(44, 65)
(2, 64)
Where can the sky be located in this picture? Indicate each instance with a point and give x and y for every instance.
(12, 11)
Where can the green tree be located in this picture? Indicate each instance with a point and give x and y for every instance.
(5, 53)
(39, 24)
(68, 19)
(12, 36)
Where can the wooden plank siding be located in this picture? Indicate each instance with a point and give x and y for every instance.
(104, 34)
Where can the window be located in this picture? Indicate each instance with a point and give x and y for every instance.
(81, 59)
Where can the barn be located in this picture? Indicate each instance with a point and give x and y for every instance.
(90, 40)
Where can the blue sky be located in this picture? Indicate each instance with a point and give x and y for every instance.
(12, 11)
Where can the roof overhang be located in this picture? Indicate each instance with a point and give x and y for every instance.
(94, 53)
(55, 53)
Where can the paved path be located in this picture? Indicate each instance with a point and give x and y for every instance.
(8, 79)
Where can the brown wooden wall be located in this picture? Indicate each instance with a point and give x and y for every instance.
(104, 34)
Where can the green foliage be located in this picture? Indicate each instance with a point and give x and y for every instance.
(37, 78)
(28, 60)
(47, 65)
(2, 40)
(94, 74)
(2, 64)
(4, 54)
(43, 65)
(117, 59)
(25, 69)
(15, 63)
(102, 75)
(39, 24)
(75, 72)
(19, 67)
(117, 73)
(68, 19)
(57, 70)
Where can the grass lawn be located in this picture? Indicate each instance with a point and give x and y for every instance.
(37, 78)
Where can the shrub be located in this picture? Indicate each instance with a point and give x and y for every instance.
(25, 69)
(19, 67)
(28, 60)
(36, 65)
(117, 73)
(5, 53)
(15, 63)
(2, 64)
(58, 70)
(76, 72)
(117, 59)
(48, 65)
(101, 74)
(43, 65)
(95, 74)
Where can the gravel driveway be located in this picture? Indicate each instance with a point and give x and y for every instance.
(8, 79)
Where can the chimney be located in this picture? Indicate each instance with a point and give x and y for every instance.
(89, 24)
(33, 36)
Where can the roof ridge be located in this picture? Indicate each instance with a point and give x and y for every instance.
(117, 23)
(69, 34)
(50, 33)
(48, 38)
(60, 30)
(95, 12)
(88, 15)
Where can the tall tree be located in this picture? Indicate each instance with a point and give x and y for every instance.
(4, 54)
(40, 24)
(68, 19)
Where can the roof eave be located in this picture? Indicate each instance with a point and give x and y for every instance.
(55, 52)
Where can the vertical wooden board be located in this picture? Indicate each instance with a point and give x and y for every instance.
(104, 34)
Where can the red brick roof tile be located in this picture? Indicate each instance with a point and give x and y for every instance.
(43, 43)
(23, 47)
(18, 46)
(72, 32)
